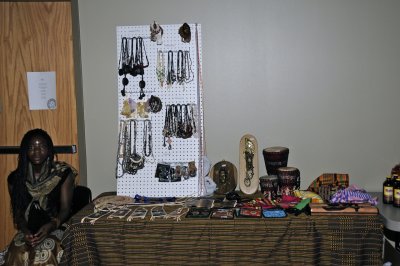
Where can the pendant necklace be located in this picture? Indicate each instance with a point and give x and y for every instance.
(160, 70)
(147, 138)
(165, 129)
(249, 155)
(168, 130)
(134, 161)
(124, 64)
(140, 49)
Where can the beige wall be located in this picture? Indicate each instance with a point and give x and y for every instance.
(320, 77)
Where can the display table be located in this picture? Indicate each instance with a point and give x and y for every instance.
(294, 240)
(391, 222)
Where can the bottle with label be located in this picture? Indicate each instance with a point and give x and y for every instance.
(388, 190)
(396, 192)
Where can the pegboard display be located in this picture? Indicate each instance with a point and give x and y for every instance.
(160, 142)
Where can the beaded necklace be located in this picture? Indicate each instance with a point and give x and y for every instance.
(160, 70)
(123, 65)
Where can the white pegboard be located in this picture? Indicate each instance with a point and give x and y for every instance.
(182, 151)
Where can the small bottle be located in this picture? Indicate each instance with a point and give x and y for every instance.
(396, 192)
(388, 191)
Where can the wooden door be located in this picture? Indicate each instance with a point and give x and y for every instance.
(34, 37)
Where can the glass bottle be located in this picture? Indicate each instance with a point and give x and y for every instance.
(396, 192)
(388, 191)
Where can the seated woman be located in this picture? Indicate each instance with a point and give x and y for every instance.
(41, 191)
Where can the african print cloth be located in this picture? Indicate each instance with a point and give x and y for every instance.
(48, 252)
(293, 240)
(327, 184)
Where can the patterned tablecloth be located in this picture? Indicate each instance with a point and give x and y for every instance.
(294, 240)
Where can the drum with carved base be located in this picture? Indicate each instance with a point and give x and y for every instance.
(275, 157)
(269, 186)
(289, 180)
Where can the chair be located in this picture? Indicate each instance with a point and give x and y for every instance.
(82, 197)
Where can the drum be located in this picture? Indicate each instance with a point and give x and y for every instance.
(275, 157)
(269, 186)
(289, 180)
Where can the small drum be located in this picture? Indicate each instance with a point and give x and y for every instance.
(275, 157)
(269, 186)
(289, 180)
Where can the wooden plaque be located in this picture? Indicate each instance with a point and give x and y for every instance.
(225, 176)
(248, 165)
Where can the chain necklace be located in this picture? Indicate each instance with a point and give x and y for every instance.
(133, 63)
(188, 128)
(133, 161)
(123, 57)
(121, 147)
(171, 78)
(188, 67)
(167, 133)
(180, 68)
(128, 151)
(174, 119)
(184, 70)
(147, 138)
(179, 122)
(193, 118)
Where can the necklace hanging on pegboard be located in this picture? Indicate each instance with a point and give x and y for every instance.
(160, 107)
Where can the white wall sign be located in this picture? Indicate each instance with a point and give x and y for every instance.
(42, 90)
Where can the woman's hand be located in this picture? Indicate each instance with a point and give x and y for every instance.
(29, 237)
(43, 232)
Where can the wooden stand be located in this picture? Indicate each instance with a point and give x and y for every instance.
(248, 172)
(357, 209)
